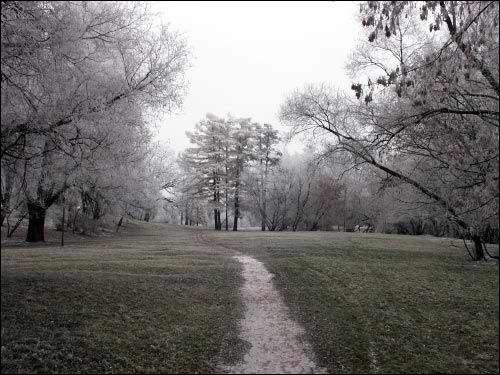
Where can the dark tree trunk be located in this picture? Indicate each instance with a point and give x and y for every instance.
(236, 211)
(119, 224)
(182, 217)
(236, 200)
(263, 214)
(227, 220)
(217, 222)
(478, 248)
(36, 222)
(226, 196)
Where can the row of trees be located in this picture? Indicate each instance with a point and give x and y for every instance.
(78, 79)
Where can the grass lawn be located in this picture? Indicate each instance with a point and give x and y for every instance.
(159, 298)
(384, 303)
(149, 300)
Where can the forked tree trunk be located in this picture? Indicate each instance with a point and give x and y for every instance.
(36, 224)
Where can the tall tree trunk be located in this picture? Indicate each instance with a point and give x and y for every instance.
(226, 193)
(227, 220)
(236, 212)
(218, 222)
(236, 202)
(263, 222)
(36, 222)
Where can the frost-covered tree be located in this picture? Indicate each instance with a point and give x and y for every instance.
(206, 158)
(73, 75)
(267, 156)
(430, 117)
(226, 152)
(241, 153)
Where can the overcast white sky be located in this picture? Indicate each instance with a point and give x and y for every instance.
(249, 55)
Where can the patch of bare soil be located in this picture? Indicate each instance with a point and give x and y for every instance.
(277, 342)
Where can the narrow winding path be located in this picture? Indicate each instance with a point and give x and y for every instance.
(277, 343)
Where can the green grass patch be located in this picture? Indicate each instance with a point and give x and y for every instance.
(384, 303)
(151, 300)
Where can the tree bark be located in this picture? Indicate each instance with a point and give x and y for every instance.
(227, 220)
(36, 222)
(478, 248)
(218, 221)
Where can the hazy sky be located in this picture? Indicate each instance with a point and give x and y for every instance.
(248, 56)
